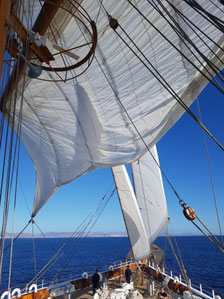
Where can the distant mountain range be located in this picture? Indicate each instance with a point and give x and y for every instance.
(67, 235)
(90, 235)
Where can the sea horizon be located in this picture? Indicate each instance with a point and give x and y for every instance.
(89, 235)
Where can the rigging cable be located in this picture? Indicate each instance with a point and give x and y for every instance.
(207, 236)
(197, 7)
(115, 25)
(187, 21)
(179, 260)
(190, 214)
(168, 87)
(86, 234)
(10, 171)
(211, 177)
(34, 253)
(216, 5)
(78, 235)
(220, 88)
(183, 36)
(139, 134)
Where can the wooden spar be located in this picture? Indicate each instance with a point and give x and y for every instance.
(41, 25)
(5, 11)
(46, 15)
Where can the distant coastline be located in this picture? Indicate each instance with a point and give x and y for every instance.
(90, 235)
(69, 234)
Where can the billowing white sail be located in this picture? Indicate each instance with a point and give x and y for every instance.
(149, 192)
(133, 220)
(75, 127)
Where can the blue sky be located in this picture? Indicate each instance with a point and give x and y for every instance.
(183, 159)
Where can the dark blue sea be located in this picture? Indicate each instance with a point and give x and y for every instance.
(203, 261)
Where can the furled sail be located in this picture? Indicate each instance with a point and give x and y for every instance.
(75, 127)
(133, 220)
(150, 194)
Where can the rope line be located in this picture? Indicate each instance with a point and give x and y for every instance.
(204, 233)
(183, 36)
(211, 177)
(168, 87)
(220, 88)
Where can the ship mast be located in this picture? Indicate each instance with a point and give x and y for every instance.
(9, 21)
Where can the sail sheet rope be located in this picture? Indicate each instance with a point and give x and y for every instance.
(218, 244)
(11, 150)
(218, 23)
(164, 83)
(178, 259)
(79, 236)
(183, 36)
(211, 177)
(181, 201)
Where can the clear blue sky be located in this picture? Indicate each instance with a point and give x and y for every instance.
(183, 159)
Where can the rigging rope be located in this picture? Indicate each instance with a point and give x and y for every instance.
(220, 88)
(34, 252)
(179, 260)
(208, 16)
(206, 235)
(183, 36)
(77, 235)
(211, 177)
(164, 83)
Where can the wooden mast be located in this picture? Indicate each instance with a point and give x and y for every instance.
(42, 23)
(5, 12)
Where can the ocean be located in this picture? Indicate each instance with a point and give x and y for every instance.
(203, 262)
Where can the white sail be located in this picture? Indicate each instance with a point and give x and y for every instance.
(72, 128)
(132, 216)
(150, 194)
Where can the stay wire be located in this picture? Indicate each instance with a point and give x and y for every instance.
(116, 95)
(84, 238)
(10, 119)
(77, 234)
(216, 5)
(15, 195)
(47, 239)
(179, 260)
(136, 129)
(168, 87)
(188, 21)
(211, 177)
(17, 236)
(208, 16)
(183, 36)
(206, 235)
(202, 223)
(220, 88)
(101, 3)
(34, 252)
(56, 256)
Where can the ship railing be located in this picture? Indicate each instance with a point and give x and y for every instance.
(62, 282)
(197, 288)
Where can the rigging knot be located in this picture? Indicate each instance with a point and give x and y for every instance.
(189, 213)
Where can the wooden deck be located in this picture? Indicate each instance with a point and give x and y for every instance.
(140, 281)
